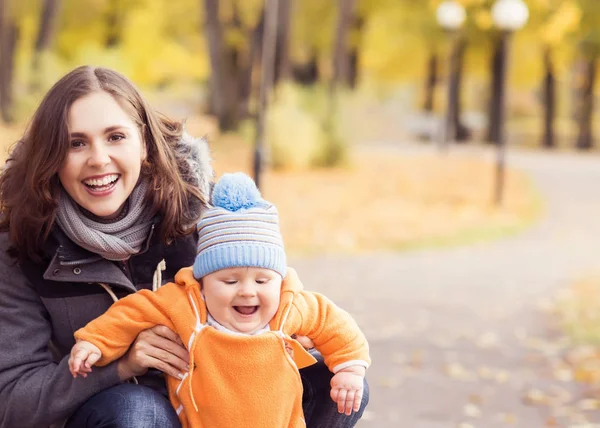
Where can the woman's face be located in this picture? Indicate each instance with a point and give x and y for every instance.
(105, 155)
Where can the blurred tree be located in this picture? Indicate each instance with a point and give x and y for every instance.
(459, 130)
(431, 81)
(354, 49)
(222, 79)
(585, 83)
(229, 26)
(549, 100)
(341, 52)
(493, 133)
(283, 66)
(45, 37)
(586, 69)
(312, 39)
(9, 35)
(268, 66)
(340, 77)
(114, 23)
(554, 22)
(473, 33)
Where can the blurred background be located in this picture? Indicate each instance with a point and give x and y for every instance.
(434, 162)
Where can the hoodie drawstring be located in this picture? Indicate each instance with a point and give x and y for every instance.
(197, 328)
(190, 389)
(157, 277)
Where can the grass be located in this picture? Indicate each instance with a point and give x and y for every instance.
(578, 308)
(387, 201)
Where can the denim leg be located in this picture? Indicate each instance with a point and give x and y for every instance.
(125, 406)
(320, 411)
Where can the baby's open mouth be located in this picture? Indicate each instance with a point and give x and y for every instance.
(246, 310)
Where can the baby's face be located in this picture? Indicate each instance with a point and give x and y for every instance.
(242, 299)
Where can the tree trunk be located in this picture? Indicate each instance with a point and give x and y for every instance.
(493, 135)
(269, 49)
(241, 68)
(8, 40)
(308, 73)
(283, 67)
(341, 57)
(223, 82)
(113, 24)
(585, 139)
(353, 53)
(45, 38)
(549, 100)
(47, 26)
(431, 82)
(246, 70)
(460, 131)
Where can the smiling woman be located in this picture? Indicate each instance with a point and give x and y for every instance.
(101, 188)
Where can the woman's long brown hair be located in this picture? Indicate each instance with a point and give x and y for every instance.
(29, 183)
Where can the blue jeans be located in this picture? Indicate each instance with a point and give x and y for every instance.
(125, 406)
(136, 406)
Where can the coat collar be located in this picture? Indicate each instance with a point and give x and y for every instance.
(71, 263)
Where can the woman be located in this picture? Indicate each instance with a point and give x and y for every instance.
(99, 196)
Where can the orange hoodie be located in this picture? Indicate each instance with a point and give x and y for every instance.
(234, 380)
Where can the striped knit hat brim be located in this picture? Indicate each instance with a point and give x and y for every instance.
(243, 238)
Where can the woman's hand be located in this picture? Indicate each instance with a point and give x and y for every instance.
(158, 347)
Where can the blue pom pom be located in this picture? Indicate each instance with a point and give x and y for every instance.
(236, 191)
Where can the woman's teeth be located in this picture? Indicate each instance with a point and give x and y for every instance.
(102, 183)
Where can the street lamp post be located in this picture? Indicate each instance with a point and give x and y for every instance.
(508, 16)
(450, 16)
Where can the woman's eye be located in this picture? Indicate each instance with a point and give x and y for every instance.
(76, 144)
(116, 137)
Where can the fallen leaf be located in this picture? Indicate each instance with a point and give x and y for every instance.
(488, 340)
(472, 411)
(589, 404)
(535, 397)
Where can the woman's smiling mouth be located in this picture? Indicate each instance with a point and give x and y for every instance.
(101, 185)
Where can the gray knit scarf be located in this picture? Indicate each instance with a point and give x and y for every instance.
(112, 241)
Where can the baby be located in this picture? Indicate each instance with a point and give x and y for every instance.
(237, 309)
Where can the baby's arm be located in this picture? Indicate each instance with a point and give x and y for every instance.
(334, 332)
(83, 356)
(338, 338)
(115, 330)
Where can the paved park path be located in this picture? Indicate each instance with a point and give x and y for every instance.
(459, 337)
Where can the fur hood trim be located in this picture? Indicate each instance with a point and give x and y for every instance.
(194, 160)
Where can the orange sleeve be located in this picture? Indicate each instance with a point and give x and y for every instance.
(335, 333)
(115, 330)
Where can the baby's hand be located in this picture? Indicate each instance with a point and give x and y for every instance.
(347, 389)
(83, 356)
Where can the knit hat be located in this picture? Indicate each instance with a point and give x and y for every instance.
(240, 229)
